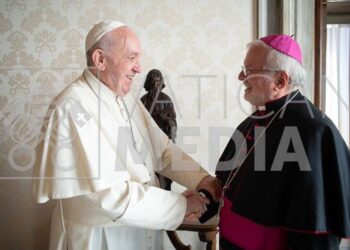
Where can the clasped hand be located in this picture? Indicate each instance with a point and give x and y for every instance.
(196, 205)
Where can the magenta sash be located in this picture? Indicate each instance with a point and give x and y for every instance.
(247, 234)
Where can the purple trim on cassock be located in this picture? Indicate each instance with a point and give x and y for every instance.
(247, 234)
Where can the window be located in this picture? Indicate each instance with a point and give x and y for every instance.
(337, 93)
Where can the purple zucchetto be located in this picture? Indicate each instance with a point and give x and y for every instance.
(284, 44)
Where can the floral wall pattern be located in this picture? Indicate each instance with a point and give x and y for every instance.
(199, 46)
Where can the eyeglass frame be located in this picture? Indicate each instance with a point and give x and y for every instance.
(245, 70)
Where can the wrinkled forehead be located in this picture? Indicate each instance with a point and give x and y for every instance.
(255, 57)
(132, 43)
(124, 38)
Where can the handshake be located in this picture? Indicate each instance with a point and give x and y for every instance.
(203, 203)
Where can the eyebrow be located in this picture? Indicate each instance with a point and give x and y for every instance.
(133, 54)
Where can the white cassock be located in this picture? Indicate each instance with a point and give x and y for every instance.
(97, 157)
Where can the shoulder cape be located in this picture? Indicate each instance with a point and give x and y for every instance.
(309, 194)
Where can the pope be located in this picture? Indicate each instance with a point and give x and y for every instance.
(100, 150)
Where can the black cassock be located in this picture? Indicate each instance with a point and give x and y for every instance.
(297, 175)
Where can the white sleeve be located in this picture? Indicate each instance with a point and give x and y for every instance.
(139, 205)
(180, 167)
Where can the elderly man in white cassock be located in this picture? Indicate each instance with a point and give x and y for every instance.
(99, 152)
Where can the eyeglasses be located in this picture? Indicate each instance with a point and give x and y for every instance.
(247, 71)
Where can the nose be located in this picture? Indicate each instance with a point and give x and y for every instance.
(137, 67)
(241, 76)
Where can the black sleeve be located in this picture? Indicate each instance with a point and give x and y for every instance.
(212, 207)
(305, 241)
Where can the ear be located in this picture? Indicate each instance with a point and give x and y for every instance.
(99, 59)
(282, 80)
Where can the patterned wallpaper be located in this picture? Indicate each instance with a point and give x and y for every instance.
(199, 46)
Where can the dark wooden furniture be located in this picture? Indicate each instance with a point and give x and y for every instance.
(206, 232)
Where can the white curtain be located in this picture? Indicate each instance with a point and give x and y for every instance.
(337, 77)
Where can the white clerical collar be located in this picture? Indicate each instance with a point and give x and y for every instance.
(262, 108)
(100, 89)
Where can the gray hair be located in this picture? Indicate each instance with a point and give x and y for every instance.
(278, 61)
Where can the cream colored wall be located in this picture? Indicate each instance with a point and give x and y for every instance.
(42, 46)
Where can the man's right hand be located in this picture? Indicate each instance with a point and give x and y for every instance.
(196, 206)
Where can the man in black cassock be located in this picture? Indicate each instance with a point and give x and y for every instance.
(286, 169)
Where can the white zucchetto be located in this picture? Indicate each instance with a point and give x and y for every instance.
(99, 30)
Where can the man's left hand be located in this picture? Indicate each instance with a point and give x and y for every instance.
(212, 185)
